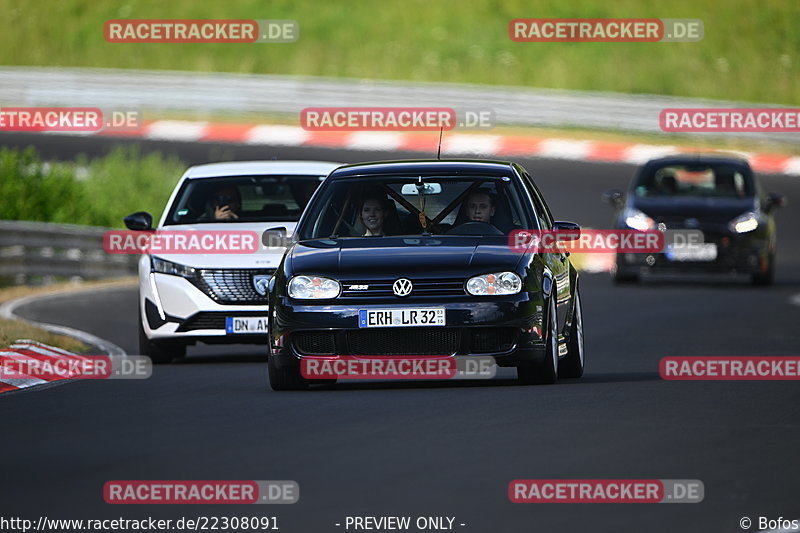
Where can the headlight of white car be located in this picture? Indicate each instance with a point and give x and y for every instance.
(637, 220)
(744, 223)
(313, 288)
(173, 269)
(498, 284)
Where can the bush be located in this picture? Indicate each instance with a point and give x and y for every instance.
(97, 192)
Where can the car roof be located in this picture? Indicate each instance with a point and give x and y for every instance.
(425, 166)
(711, 159)
(257, 168)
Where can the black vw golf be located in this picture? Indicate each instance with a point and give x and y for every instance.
(412, 258)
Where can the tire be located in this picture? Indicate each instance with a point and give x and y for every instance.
(624, 275)
(159, 352)
(286, 378)
(546, 371)
(573, 364)
(764, 279)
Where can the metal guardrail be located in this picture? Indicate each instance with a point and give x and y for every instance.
(204, 93)
(42, 251)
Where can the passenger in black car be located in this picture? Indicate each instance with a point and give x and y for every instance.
(372, 214)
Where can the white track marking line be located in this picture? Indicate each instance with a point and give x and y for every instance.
(176, 130)
(564, 149)
(276, 135)
(106, 347)
(375, 140)
(471, 144)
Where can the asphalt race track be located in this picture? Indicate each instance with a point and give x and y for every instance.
(435, 449)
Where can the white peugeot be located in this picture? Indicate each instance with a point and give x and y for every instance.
(215, 297)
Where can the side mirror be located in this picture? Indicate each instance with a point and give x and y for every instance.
(775, 200)
(567, 231)
(141, 221)
(274, 237)
(613, 197)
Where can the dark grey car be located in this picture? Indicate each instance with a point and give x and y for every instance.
(717, 195)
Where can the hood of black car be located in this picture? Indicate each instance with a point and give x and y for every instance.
(381, 257)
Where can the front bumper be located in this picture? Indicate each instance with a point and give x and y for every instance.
(507, 328)
(745, 254)
(175, 309)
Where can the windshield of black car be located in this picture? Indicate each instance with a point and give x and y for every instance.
(242, 199)
(695, 180)
(392, 205)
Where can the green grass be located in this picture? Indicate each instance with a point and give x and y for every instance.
(99, 192)
(751, 49)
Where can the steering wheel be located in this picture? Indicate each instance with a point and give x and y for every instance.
(475, 228)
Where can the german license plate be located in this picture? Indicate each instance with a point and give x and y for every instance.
(692, 252)
(397, 318)
(235, 325)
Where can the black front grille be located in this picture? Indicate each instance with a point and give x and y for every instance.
(404, 341)
(314, 342)
(211, 320)
(492, 340)
(421, 287)
(231, 286)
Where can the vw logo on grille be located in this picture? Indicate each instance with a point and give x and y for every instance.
(260, 283)
(402, 287)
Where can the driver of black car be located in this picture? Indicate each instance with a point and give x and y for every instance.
(480, 206)
(478, 213)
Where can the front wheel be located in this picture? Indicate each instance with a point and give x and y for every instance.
(546, 371)
(286, 378)
(766, 278)
(572, 365)
(159, 352)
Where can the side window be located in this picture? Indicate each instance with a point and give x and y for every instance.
(542, 211)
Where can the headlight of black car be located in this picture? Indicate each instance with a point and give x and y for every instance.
(496, 284)
(313, 288)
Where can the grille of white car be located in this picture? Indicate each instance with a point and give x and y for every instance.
(232, 286)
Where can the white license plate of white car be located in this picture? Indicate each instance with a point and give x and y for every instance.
(243, 325)
(398, 318)
(692, 252)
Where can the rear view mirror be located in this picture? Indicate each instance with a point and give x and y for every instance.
(613, 197)
(411, 189)
(141, 221)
